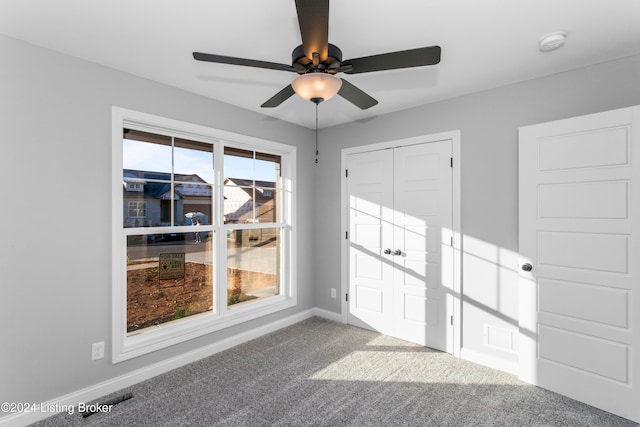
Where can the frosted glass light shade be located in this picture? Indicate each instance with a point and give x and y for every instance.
(316, 85)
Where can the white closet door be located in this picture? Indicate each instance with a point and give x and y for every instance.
(370, 192)
(423, 273)
(579, 203)
(400, 235)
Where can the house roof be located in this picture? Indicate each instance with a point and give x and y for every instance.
(157, 184)
(249, 183)
(264, 189)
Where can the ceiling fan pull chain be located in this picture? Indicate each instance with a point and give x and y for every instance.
(317, 152)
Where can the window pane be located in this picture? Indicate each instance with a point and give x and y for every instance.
(146, 175)
(193, 160)
(238, 205)
(251, 166)
(195, 203)
(267, 200)
(146, 156)
(146, 202)
(169, 276)
(238, 166)
(267, 170)
(253, 265)
(251, 188)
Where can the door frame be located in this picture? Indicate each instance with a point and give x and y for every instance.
(454, 344)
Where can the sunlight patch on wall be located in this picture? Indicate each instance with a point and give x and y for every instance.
(495, 271)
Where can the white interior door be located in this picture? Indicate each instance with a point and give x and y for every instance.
(400, 248)
(423, 272)
(579, 315)
(370, 199)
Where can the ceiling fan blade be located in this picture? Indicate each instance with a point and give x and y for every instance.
(356, 96)
(313, 17)
(340, 69)
(209, 57)
(279, 97)
(394, 60)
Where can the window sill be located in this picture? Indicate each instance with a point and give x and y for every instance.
(153, 339)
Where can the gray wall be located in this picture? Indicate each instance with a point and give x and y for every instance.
(489, 123)
(55, 220)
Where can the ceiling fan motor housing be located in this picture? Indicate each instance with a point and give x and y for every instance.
(303, 64)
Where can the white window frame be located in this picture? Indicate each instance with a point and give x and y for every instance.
(124, 346)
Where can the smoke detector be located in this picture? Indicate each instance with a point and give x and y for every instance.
(552, 41)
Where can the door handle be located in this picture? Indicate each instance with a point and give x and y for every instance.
(526, 267)
(387, 251)
(397, 252)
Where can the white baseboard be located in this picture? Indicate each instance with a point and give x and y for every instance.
(490, 361)
(326, 314)
(101, 389)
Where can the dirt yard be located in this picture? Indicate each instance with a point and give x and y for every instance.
(151, 301)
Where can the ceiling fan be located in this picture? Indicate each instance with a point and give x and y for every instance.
(317, 61)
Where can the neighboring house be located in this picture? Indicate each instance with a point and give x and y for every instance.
(147, 198)
(242, 196)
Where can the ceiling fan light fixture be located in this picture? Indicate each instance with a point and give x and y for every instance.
(316, 86)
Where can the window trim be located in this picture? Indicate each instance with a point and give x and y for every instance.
(126, 347)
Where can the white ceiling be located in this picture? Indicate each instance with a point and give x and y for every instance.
(485, 44)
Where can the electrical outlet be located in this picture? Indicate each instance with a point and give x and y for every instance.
(97, 350)
(333, 292)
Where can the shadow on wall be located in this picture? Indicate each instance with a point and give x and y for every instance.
(489, 285)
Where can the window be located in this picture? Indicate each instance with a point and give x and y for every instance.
(134, 186)
(202, 232)
(137, 209)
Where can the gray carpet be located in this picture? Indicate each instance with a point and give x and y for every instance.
(322, 373)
